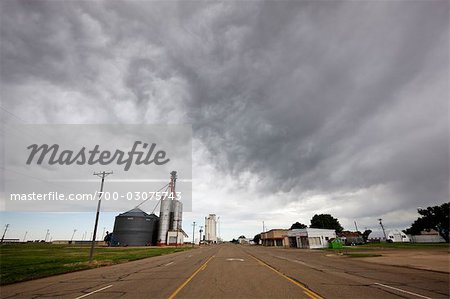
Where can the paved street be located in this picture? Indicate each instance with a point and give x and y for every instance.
(234, 271)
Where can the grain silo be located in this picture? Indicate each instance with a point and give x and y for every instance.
(171, 213)
(177, 207)
(135, 228)
(164, 222)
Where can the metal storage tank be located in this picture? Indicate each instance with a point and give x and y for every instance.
(135, 228)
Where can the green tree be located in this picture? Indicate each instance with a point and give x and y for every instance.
(326, 221)
(298, 225)
(436, 218)
(365, 235)
(257, 238)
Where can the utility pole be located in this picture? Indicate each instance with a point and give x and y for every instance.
(382, 227)
(178, 230)
(218, 225)
(71, 239)
(193, 234)
(200, 231)
(25, 236)
(94, 235)
(206, 230)
(4, 233)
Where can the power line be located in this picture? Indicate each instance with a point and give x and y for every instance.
(10, 113)
(147, 197)
(159, 201)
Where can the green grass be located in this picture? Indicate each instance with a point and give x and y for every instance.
(19, 262)
(362, 255)
(385, 245)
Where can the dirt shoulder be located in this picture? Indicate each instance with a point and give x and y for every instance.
(426, 259)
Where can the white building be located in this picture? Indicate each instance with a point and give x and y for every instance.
(244, 241)
(310, 237)
(396, 236)
(211, 228)
(176, 237)
(427, 236)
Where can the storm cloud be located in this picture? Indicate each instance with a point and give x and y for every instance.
(297, 107)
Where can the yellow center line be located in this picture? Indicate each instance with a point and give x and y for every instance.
(307, 291)
(202, 267)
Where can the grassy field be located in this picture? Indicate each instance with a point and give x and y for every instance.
(21, 262)
(362, 255)
(384, 245)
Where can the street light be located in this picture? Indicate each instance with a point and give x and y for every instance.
(200, 239)
(193, 234)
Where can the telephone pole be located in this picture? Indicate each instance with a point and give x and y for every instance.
(193, 234)
(4, 233)
(178, 230)
(218, 226)
(94, 235)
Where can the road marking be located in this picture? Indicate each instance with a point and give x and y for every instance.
(202, 267)
(168, 264)
(307, 291)
(403, 291)
(383, 285)
(295, 261)
(235, 259)
(93, 292)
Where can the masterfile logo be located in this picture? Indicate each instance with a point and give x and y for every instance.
(95, 156)
(61, 159)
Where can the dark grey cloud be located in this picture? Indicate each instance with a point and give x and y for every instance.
(343, 100)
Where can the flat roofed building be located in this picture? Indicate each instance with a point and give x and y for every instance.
(275, 237)
(310, 237)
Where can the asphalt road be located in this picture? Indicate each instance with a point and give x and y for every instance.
(234, 271)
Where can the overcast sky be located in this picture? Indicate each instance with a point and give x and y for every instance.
(297, 107)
